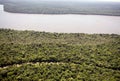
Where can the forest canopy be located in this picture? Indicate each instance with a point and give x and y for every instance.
(45, 56)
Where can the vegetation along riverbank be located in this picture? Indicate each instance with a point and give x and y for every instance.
(32, 56)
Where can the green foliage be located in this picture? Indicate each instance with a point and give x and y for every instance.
(44, 56)
(59, 72)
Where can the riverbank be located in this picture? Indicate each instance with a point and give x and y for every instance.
(61, 7)
(68, 23)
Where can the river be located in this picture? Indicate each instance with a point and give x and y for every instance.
(60, 23)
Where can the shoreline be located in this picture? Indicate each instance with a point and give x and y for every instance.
(59, 32)
(63, 28)
(71, 13)
(60, 13)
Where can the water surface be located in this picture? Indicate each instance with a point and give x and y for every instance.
(60, 23)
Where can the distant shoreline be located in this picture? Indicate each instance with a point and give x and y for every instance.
(60, 14)
(53, 8)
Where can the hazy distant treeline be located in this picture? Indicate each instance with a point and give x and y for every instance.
(61, 7)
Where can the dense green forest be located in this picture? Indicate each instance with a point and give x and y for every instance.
(61, 7)
(43, 56)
